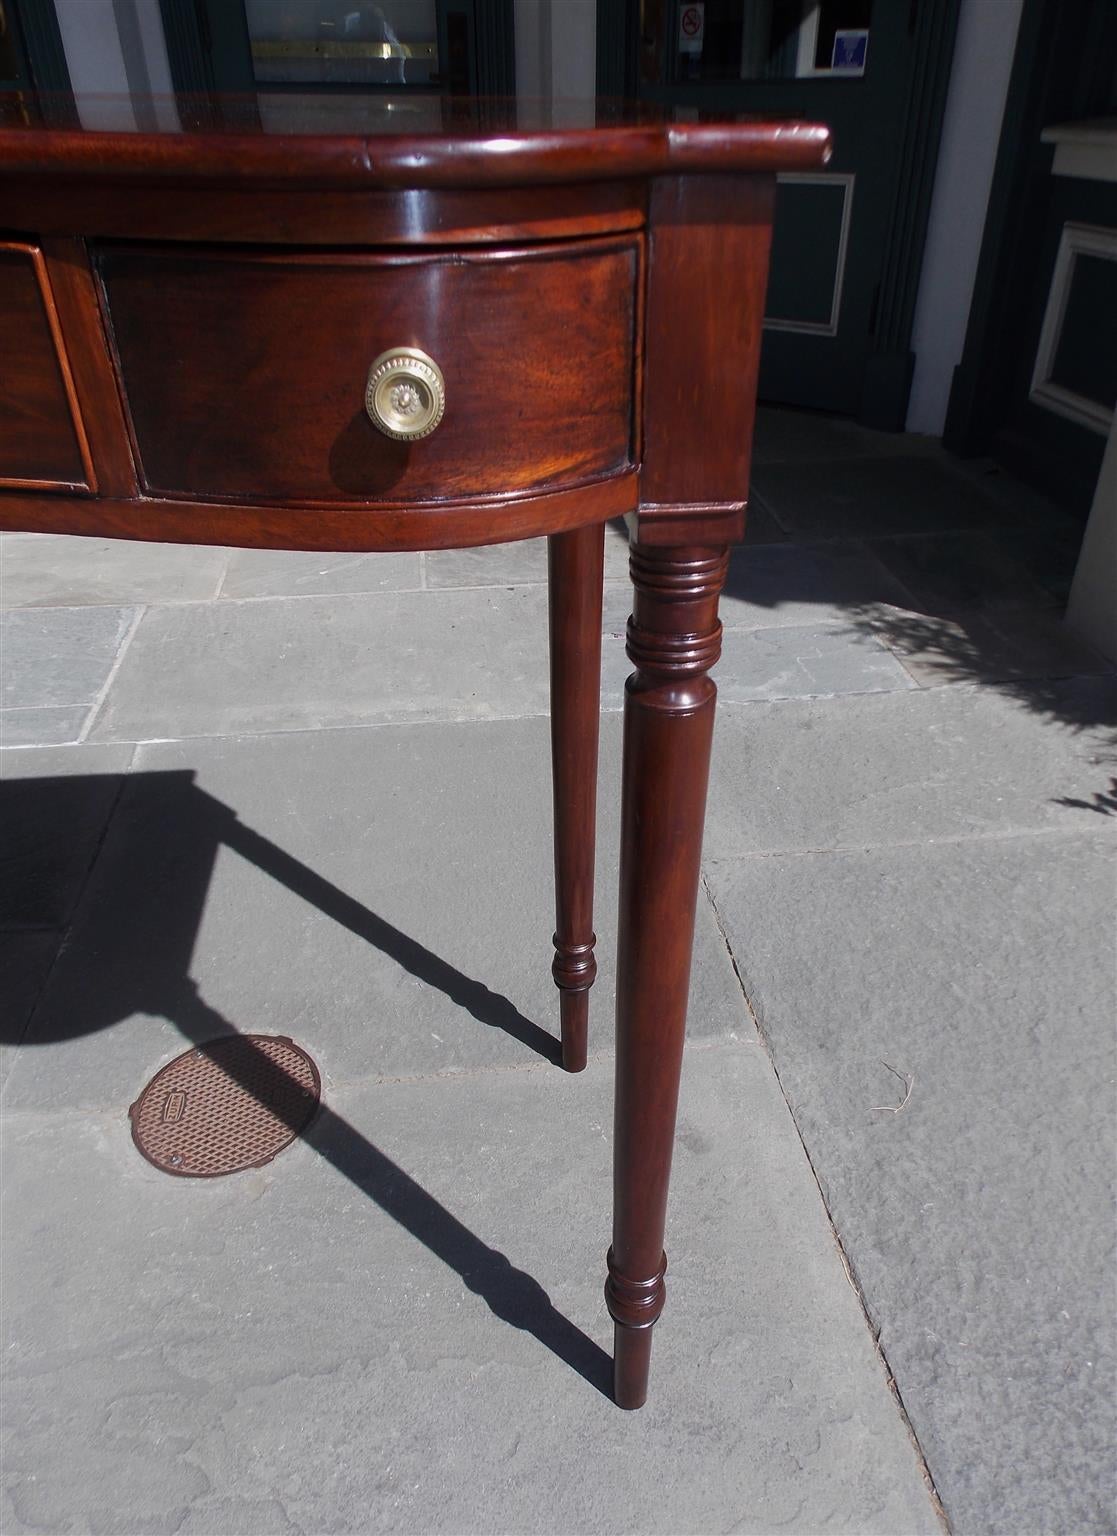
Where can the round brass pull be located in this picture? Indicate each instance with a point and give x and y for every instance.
(406, 393)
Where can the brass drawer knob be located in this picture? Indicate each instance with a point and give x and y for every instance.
(406, 393)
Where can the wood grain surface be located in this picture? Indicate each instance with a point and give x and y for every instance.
(244, 373)
(464, 155)
(40, 434)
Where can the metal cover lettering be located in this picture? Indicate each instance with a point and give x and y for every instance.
(174, 1107)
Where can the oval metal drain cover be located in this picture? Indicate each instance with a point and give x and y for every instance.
(230, 1104)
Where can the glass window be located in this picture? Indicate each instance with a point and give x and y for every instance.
(343, 42)
(756, 39)
(11, 64)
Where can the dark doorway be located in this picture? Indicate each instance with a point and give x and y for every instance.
(1037, 382)
(847, 242)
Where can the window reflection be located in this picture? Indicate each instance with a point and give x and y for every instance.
(696, 40)
(343, 42)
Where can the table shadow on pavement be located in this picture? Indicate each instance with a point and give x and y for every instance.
(198, 826)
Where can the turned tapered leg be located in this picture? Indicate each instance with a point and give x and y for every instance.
(575, 568)
(674, 637)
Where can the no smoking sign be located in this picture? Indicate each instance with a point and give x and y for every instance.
(692, 24)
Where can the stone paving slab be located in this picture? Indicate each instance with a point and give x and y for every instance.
(906, 767)
(760, 525)
(872, 497)
(979, 1216)
(57, 571)
(1029, 507)
(788, 586)
(59, 656)
(346, 659)
(804, 662)
(399, 1327)
(783, 661)
(54, 726)
(302, 573)
(1049, 556)
(803, 437)
(987, 647)
(54, 807)
(25, 962)
(329, 661)
(950, 573)
(390, 905)
(803, 584)
(514, 564)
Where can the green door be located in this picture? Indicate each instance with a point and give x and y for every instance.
(847, 242)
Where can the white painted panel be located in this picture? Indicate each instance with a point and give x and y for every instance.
(1075, 239)
(108, 69)
(95, 61)
(158, 65)
(979, 77)
(1092, 612)
(1087, 150)
(533, 50)
(556, 56)
(574, 50)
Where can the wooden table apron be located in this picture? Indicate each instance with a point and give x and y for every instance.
(188, 321)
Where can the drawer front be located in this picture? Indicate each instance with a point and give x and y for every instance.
(245, 373)
(39, 443)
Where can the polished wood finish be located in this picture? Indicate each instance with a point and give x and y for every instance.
(245, 373)
(575, 574)
(710, 238)
(387, 526)
(79, 315)
(674, 638)
(105, 210)
(42, 440)
(207, 307)
(468, 157)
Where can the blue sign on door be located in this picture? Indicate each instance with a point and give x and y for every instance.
(850, 50)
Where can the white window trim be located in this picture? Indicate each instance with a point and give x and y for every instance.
(823, 327)
(1075, 240)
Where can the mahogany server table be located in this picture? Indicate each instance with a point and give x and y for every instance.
(349, 337)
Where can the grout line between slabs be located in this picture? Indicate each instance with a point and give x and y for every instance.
(243, 733)
(601, 1055)
(343, 1085)
(226, 600)
(513, 583)
(947, 840)
(221, 575)
(122, 651)
(847, 1265)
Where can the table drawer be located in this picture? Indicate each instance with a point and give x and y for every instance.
(39, 431)
(245, 372)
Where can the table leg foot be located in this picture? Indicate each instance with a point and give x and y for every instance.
(634, 1306)
(632, 1363)
(575, 564)
(674, 637)
(574, 1012)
